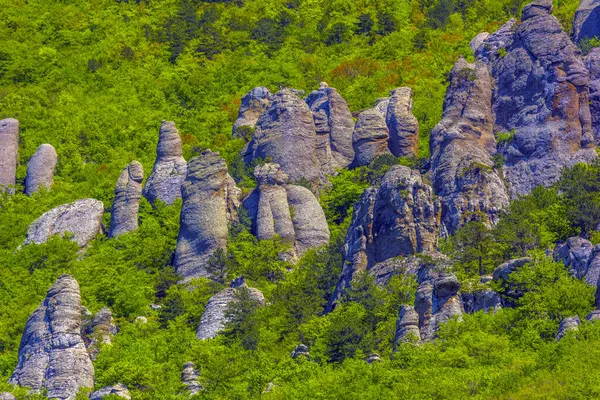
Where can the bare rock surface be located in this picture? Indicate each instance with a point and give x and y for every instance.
(437, 300)
(301, 350)
(52, 354)
(40, 169)
(371, 135)
(98, 329)
(126, 206)
(189, 377)
(587, 21)
(490, 48)
(486, 300)
(253, 105)
(118, 389)
(82, 219)
(407, 326)
(9, 153)
(462, 146)
(592, 63)
(210, 201)
(402, 124)
(214, 319)
(566, 325)
(170, 167)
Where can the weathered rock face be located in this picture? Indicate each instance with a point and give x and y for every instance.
(128, 193)
(587, 21)
(98, 329)
(462, 145)
(9, 149)
(40, 169)
(214, 319)
(592, 62)
(487, 50)
(487, 300)
(170, 167)
(52, 354)
(119, 390)
(417, 265)
(82, 218)
(407, 326)
(253, 105)
(334, 126)
(593, 316)
(283, 132)
(541, 101)
(7, 396)
(437, 301)
(301, 350)
(210, 201)
(290, 211)
(401, 218)
(371, 135)
(566, 325)
(402, 124)
(478, 40)
(581, 258)
(373, 358)
(501, 273)
(189, 377)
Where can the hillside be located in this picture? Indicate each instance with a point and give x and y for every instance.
(307, 199)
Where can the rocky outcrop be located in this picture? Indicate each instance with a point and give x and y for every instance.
(189, 377)
(592, 62)
(581, 258)
(402, 124)
(9, 151)
(7, 396)
(118, 390)
(373, 358)
(371, 134)
(214, 318)
(40, 169)
(510, 292)
(486, 300)
(98, 329)
(593, 316)
(587, 21)
(541, 101)
(52, 354)
(128, 193)
(400, 218)
(334, 126)
(82, 219)
(210, 201)
(491, 48)
(478, 40)
(289, 211)
(462, 146)
(568, 324)
(407, 326)
(253, 105)
(437, 300)
(170, 167)
(415, 265)
(301, 350)
(283, 132)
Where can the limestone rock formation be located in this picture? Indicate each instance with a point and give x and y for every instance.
(253, 105)
(593, 316)
(566, 325)
(373, 358)
(52, 354)
(417, 265)
(7, 396)
(40, 169)
(82, 219)
(9, 149)
(290, 211)
(541, 102)
(98, 329)
(478, 40)
(587, 21)
(462, 146)
(400, 218)
(301, 350)
(189, 377)
(214, 318)
(487, 300)
(210, 201)
(283, 132)
(334, 126)
(581, 258)
(407, 326)
(592, 62)
(402, 124)
(119, 390)
(371, 135)
(170, 167)
(437, 301)
(489, 50)
(128, 193)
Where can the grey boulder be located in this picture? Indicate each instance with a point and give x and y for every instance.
(254, 103)
(52, 354)
(98, 330)
(437, 301)
(587, 21)
(402, 124)
(486, 300)
(301, 350)
(126, 205)
(118, 389)
(9, 154)
(371, 134)
(568, 324)
(170, 167)
(40, 169)
(592, 63)
(407, 326)
(82, 219)
(189, 377)
(210, 201)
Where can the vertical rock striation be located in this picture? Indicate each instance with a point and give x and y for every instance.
(462, 146)
(52, 354)
(170, 167)
(9, 150)
(370, 137)
(437, 301)
(128, 193)
(402, 124)
(40, 169)
(210, 200)
(407, 326)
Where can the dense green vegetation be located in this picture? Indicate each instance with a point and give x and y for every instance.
(95, 79)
